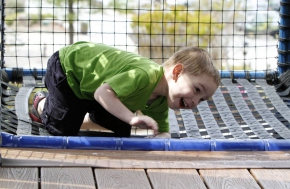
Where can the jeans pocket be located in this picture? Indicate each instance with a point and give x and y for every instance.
(57, 112)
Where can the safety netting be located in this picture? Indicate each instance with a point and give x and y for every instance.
(248, 41)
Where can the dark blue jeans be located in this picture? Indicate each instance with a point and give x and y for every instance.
(64, 112)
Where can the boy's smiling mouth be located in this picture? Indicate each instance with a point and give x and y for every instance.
(183, 103)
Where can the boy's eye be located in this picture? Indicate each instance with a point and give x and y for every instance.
(197, 89)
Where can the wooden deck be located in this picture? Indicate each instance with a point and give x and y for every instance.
(54, 168)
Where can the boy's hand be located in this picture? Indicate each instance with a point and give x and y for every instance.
(144, 122)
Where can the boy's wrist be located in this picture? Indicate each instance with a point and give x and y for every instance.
(132, 120)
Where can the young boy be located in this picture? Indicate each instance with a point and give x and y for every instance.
(111, 85)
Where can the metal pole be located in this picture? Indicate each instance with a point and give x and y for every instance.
(235, 74)
(284, 37)
(2, 33)
(2, 49)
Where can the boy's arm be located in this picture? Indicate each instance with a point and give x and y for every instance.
(108, 99)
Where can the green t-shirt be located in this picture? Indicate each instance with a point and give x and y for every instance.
(132, 77)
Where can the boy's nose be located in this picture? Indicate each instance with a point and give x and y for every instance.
(194, 103)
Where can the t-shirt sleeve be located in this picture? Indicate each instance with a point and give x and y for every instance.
(127, 83)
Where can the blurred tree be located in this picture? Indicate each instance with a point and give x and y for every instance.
(94, 6)
(167, 29)
(13, 7)
(160, 28)
(122, 6)
(164, 30)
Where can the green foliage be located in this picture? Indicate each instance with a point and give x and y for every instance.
(47, 15)
(9, 20)
(177, 21)
(14, 6)
(122, 6)
(92, 4)
(174, 26)
(35, 18)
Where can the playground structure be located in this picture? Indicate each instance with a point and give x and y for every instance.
(249, 43)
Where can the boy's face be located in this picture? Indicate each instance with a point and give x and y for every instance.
(189, 90)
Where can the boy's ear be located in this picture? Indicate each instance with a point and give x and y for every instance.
(177, 69)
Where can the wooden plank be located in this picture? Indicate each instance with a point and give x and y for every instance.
(175, 179)
(67, 177)
(18, 177)
(229, 178)
(122, 178)
(145, 159)
(272, 178)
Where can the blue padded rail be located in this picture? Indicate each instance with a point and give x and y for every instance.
(238, 74)
(143, 144)
(284, 37)
(184, 144)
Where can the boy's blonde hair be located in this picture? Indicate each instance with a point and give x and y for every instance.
(195, 61)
